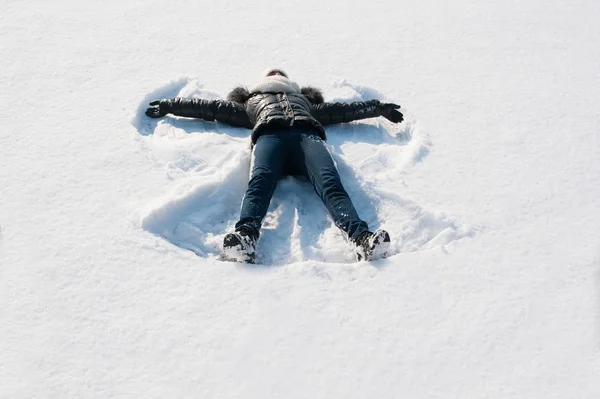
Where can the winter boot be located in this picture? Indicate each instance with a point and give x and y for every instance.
(240, 246)
(372, 246)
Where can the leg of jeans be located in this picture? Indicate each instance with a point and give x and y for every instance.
(320, 170)
(267, 165)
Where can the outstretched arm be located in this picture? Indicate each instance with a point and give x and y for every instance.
(223, 111)
(330, 113)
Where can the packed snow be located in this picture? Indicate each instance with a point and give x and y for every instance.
(111, 284)
(209, 166)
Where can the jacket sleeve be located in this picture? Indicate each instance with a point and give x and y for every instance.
(330, 113)
(228, 112)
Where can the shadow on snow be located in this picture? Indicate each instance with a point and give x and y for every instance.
(209, 163)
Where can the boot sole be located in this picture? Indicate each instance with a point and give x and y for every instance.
(381, 245)
(232, 251)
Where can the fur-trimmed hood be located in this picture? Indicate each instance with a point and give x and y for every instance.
(241, 94)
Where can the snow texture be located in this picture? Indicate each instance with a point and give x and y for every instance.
(110, 222)
(209, 164)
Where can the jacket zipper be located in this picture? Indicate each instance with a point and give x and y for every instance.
(288, 108)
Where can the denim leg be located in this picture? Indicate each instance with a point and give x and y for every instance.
(267, 166)
(320, 170)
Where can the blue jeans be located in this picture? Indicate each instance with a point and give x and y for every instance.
(296, 151)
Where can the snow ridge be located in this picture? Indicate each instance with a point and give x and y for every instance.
(209, 166)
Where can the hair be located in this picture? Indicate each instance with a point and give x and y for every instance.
(272, 69)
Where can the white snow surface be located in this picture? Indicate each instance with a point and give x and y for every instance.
(110, 222)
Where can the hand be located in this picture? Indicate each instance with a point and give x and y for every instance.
(390, 112)
(158, 108)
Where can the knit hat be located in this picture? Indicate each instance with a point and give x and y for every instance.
(271, 70)
(275, 84)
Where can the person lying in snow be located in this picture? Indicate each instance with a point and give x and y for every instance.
(288, 139)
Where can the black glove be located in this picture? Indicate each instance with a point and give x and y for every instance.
(390, 112)
(158, 108)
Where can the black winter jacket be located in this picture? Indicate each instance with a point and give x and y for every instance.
(257, 111)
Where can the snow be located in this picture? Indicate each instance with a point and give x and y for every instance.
(209, 164)
(110, 283)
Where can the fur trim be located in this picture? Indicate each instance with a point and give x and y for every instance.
(314, 95)
(239, 95)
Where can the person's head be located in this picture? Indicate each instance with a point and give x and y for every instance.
(275, 72)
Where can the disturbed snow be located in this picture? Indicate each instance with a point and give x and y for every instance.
(208, 164)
